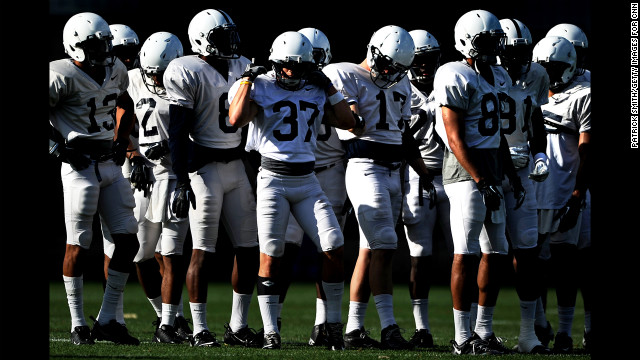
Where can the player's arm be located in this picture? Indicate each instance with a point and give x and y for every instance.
(538, 142)
(337, 112)
(242, 108)
(181, 119)
(123, 127)
(582, 177)
(453, 121)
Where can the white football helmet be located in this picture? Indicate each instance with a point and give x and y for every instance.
(293, 51)
(390, 53)
(321, 46)
(126, 45)
(213, 33)
(558, 56)
(427, 57)
(577, 37)
(155, 55)
(87, 38)
(479, 35)
(516, 56)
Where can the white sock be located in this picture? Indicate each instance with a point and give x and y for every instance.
(74, 288)
(355, 320)
(199, 317)
(116, 281)
(239, 310)
(120, 310)
(565, 319)
(269, 311)
(421, 313)
(473, 316)
(587, 321)
(321, 312)
(169, 314)
(334, 292)
(461, 325)
(541, 317)
(527, 339)
(484, 322)
(157, 305)
(384, 305)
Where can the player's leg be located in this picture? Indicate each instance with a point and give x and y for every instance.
(587, 273)
(293, 242)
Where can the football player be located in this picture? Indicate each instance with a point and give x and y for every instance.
(211, 177)
(284, 109)
(561, 197)
(524, 130)
(470, 93)
(379, 91)
(83, 92)
(420, 213)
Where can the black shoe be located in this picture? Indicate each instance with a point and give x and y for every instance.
(472, 346)
(114, 332)
(205, 338)
(246, 337)
(334, 340)
(586, 341)
(81, 335)
(166, 334)
(544, 334)
(318, 335)
(272, 341)
(181, 325)
(391, 338)
(497, 344)
(563, 344)
(422, 338)
(359, 339)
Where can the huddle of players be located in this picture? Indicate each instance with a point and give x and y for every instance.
(305, 117)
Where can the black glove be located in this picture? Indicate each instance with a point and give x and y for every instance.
(427, 185)
(490, 195)
(140, 175)
(119, 150)
(253, 72)
(318, 78)
(359, 120)
(518, 192)
(569, 214)
(181, 199)
(76, 159)
(157, 150)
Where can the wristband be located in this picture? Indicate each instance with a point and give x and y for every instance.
(246, 82)
(335, 98)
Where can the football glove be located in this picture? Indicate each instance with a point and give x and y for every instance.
(253, 72)
(569, 214)
(519, 192)
(119, 150)
(490, 195)
(427, 186)
(359, 121)
(181, 199)
(318, 78)
(141, 175)
(540, 169)
(157, 150)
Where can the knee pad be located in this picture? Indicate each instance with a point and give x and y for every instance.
(272, 247)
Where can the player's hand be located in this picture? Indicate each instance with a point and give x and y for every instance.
(518, 192)
(119, 149)
(318, 78)
(141, 175)
(490, 195)
(520, 161)
(540, 170)
(253, 72)
(358, 128)
(569, 214)
(181, 199)
(427, 185)
(76, 159)
(157, 150)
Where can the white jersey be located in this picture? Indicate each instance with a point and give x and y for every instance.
(567, 114)
(378, 107)
(287, 124)
(152, 112)
(79, 107)
(458, 85)
(422, 125)
(528, 93)
(329, 148)
(192, 83)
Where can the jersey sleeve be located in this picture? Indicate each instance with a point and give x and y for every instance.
(178, 82)
(451, 88)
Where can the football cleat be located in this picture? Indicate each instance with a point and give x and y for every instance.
(246, 337)
(544, 334)
(497, 344)
(563, 344)
(359, 339)
(181, 325)
(422, 338)
(318, 335)
(205, 338)
(391, 338)
(81, 335)
(166, 334)
(472, 346)
(272, 341)
(334, 338)
(113, 331)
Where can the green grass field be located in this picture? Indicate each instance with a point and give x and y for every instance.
(297, 320)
